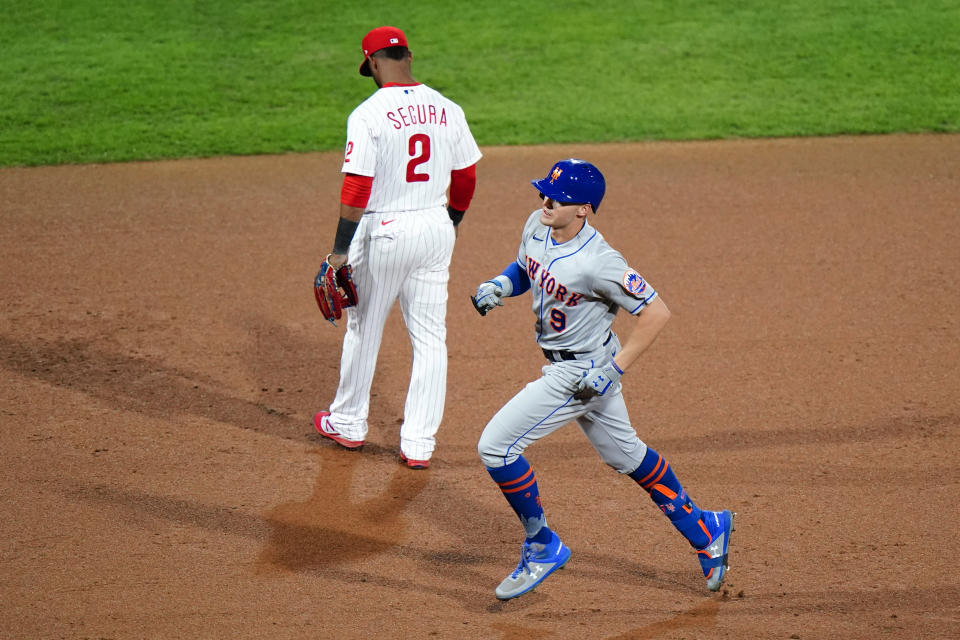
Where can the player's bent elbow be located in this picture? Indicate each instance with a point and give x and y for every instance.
(665, 314)
(657, 312)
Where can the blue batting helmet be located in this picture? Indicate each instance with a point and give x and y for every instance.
(573, 180)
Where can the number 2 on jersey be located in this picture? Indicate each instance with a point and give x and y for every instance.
(419, 150)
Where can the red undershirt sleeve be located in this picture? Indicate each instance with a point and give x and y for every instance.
(462, 184)
(356, 190)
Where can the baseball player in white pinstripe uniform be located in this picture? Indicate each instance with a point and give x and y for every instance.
(578, 283)
(406, 144)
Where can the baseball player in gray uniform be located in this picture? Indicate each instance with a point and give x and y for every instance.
(578, 282)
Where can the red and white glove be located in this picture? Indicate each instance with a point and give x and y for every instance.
(334, 290)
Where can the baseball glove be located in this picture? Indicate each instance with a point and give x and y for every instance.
(334, 290)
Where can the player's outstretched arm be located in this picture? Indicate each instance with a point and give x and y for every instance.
(512, 282)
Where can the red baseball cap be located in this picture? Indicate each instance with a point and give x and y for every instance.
(380, 38)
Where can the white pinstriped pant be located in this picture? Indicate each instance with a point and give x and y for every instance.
(403, 256)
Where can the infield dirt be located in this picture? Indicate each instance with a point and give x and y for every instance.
(161, 358)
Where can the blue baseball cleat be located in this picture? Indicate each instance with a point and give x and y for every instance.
(713, 557)
(537, 561)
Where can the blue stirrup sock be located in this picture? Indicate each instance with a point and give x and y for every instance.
(519, 486)
(657, 478)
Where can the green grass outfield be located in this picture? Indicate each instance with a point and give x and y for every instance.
(115, 80)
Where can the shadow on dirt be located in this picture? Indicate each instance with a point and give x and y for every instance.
(141, 385)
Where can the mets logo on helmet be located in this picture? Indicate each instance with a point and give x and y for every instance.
(633, 282)
(556, 174)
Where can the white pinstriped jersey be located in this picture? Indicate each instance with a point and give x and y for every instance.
(577, 286)
(408, 138)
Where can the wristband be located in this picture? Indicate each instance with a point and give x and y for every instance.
(455, 215)
(345, 230)
(506, 286)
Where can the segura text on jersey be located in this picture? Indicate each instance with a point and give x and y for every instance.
(413, 114)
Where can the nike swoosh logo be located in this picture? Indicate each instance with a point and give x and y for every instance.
(536, 238)
(387, 222)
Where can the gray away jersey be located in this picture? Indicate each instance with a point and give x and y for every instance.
(578, 286)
